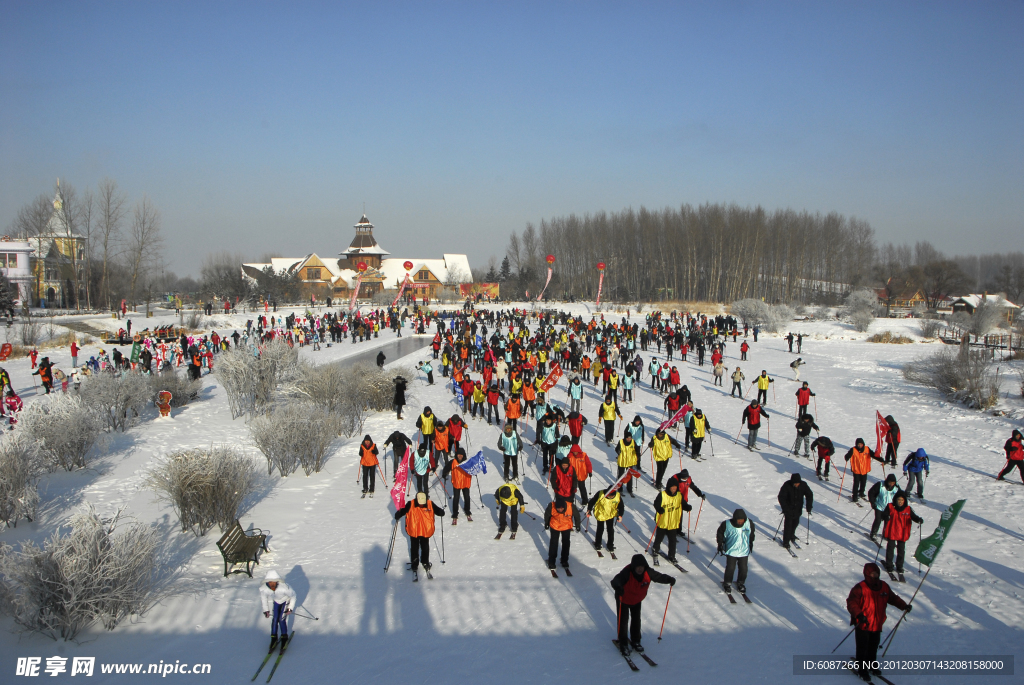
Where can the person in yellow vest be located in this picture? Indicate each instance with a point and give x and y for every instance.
(368, 460)
(608, 410)
(425, 423)
(661, 445)
(510, 500)
(419, 516)
(461, 481)
(628, 458)
(560, 518)
(699, 428)
(669, 505)
(762, 382)
(613, 384)
(604, 508)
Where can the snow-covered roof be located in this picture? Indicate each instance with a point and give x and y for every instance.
(975, 300)
(394, 271)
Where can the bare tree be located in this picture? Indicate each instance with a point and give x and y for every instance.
(111, 209)
(145, 245)
(221, 275)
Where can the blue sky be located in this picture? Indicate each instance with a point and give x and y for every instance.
(265, 127)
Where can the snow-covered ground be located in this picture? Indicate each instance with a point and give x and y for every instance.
(494, 613)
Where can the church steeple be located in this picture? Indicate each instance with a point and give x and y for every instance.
(364, 247)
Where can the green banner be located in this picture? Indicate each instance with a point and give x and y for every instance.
(136, 351)
(931, 545)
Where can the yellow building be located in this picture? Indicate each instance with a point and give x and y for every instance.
(58, 265)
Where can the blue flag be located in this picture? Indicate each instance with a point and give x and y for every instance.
(475, 465)
(479, 339)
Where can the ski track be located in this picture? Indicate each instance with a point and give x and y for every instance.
(494, 609)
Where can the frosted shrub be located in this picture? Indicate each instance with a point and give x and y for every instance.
(323, 385)
(778, 315)
(961, 375)
(205, 487)
(183, 389)
(98, 571)
(65, 429)
(251, 377)
(19, 469)
(929, 328)
(860, 308)
(750, 311)
(120, 399)
(293, 435)
(349, 392)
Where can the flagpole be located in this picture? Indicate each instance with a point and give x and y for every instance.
(893, 632)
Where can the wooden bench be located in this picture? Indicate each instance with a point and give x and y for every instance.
(240, 547)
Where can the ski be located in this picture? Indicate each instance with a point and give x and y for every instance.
(279, 655)
(469, 518)
(363, 496)
(429, 576)
(892, 577)
(265, 660)
(625, 656)
(884, 679)
(600, 555)
(648, 659)
(455, 521)
(745, 598)
(567, 571)
(415, 577)
(674, 563)
(728, 593)
(512, 536)
(498, 536)
(553, 573)
(613, 555)
(371, 495)
(902, 578)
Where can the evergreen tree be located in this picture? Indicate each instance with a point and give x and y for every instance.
(506, 270)
(8, 294)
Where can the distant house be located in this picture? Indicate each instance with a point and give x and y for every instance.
(15, 256)
(968, 303)
(909, 298)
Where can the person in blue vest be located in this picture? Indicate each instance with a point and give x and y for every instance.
(736, 541)
(630, 586)
(916, 463)
(880, 495)
(510, 446)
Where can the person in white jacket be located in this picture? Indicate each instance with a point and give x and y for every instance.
(278, 601)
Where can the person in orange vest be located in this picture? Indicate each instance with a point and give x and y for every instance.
(45, 373)
(866, 604)
(513, 410)
(560, 517)
(530, 398)
(460, 484)
(442, 441)
(368, 460)
(861, 456)
(630, 586)
(419, 516)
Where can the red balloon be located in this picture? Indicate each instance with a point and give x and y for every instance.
(551, 259)
(361, 266)
(600, 266)
(408, 266)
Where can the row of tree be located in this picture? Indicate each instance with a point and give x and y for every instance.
(723, 253)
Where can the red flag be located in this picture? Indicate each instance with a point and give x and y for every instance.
(881, 430)
(626, 477)
(675, 418)
(552, 379)
(401, 481)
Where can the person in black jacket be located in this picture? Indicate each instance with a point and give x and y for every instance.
(804, 425)
(380, 361)
(399, 442)
(826, 450)
(791, 499)
(630, 586)
(399, 401)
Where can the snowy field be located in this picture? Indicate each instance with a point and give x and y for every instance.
(493, 612)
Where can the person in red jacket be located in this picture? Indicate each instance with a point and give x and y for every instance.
(576, 421)
(493, 394)
(630, 586)
(1014, 449)
(744, 348)
(866, 604)
(892, 440)
(899, 520)
(563, 480)
(803, 399)
(752, 416)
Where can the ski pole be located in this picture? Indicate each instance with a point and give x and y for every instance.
(711, 438)
(442, 539)
(295, 613)
(383, 477)
(391, 547)
(878, 551)
(687, 533)
(713, 559)
(769, 435)
(697, 522)
(841, 482)
(737, 438)
(776, 536)
(652, 538)
(815, 408)
(843, 640)
(808, 528)
(359, 468)
(892, 634)
(861, 522)
(665, 614)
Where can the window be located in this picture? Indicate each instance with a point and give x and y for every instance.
(313, 274)
(9, 259)
(423, 275)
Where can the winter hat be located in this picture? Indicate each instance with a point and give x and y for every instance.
(421, 498)
(891, 478)
(505, 492)
(673, 482)
(563, 460)
(920, 453)
(739, 514)
(639, 560)
(795, 478)
(685, 473)
(426, 410)
(869, 567)
(860, 441)
(272, 576)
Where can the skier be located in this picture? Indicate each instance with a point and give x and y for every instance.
(278, 600)
(560, 517)
(510, 446)
(825, 450)
(563, 480)
(425, 423)
(509, 499)
(461, 481)
(581, 466)
(899, 519)
(735, 539)
(399, 400)
(422, 466)
(861, 455)
(866, 604)
(913, 465)
(368, 461)
(762, 382)
(493, 394)
(791, 498)
(575, 394)
(419, 525)
(752, 417)
(669, 506)
(399, 443)
(630, 586)
(804, 425)
(744, 348)
(1014, 448)
(604, 509)
(661, 445)
(881, 495)
(737, 380)
(698, 426)
(892, 440)
(608, 411)
(627, 458)
(548, 435)
(803, 399)
(795, 365)
(13, 405)
(513, 410)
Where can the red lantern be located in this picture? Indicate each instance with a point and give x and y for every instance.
(361, 267)
(408, 266)
(551, 259)
(600, 266)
